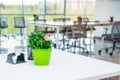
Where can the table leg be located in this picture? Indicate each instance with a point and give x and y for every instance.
(57, 38)
(91, 53)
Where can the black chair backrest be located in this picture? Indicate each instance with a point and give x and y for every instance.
(85, 20)
(79, 30)
(115, 31)
(19, 22)
(61, 19)
(3, 22)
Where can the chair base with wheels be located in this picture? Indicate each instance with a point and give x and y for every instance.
(114, 36)
(108, 49)
(76, 47)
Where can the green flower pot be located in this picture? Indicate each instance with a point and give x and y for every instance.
(41, 57)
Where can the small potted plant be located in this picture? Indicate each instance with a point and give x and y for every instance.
(40, 44)
(79, 18)
(35, 17)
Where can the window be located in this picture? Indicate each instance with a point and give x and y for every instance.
(11, 7)
(83, 8)
(33, 6)
(46, 8)
(54, 6)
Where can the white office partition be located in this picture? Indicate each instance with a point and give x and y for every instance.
(103, 10)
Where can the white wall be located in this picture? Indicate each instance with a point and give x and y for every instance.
(104, 9)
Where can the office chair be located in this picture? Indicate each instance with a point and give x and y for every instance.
(78, 33)
(85, 19)
(19, 23)
(114, 36)
(64, 41)
(3, 25)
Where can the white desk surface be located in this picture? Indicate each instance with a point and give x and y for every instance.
(63, 66)
(67, 23)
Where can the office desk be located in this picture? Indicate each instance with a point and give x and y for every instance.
(59, 25)
(56, 25)
(63, 66)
